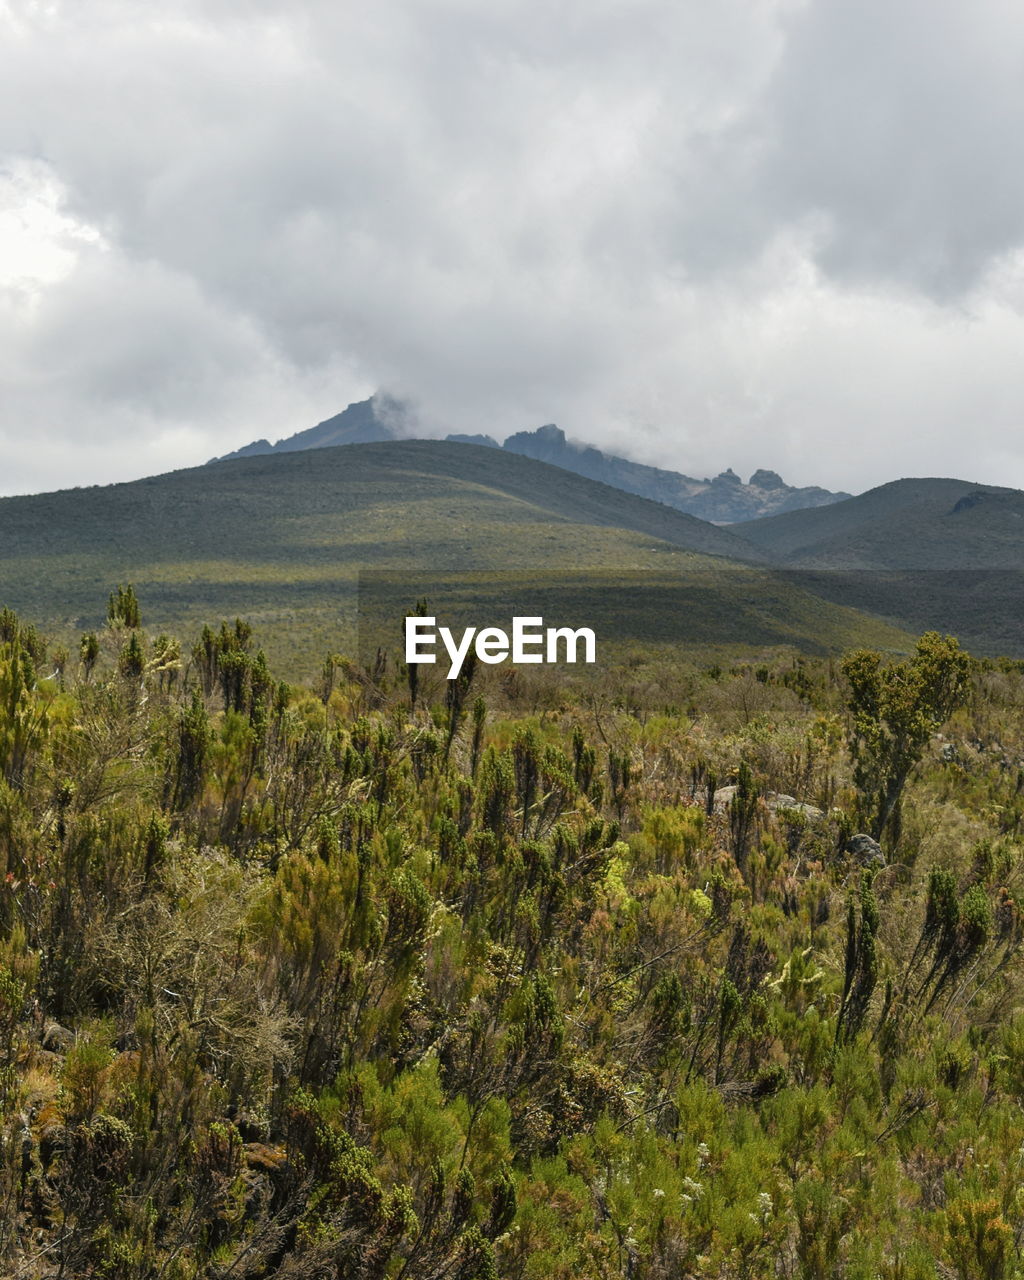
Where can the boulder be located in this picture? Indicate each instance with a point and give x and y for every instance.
(724, 795)
(866, 850)
(778, 800)
(56, 1038)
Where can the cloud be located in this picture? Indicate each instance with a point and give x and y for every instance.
(893, 120)
(751, 234)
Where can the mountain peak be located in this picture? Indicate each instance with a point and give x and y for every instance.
(723, 500)
(762, 479)
(381, 417)
(550, 434)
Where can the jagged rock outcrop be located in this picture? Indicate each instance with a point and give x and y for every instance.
(721, 500)
(487, 441)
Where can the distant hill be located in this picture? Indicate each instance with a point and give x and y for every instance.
(906, 524)
(281, 539)
(721, 500)
(925, 552)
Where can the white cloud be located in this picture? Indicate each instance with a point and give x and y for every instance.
(749, 234)
(39, 244)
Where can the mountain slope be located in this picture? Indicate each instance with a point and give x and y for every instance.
(725, 499)
(282, 538)
(923, 553)
(243, 505)
(365, 422)
(907, 524)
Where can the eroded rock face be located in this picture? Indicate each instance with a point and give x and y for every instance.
(722, 500)
(866, 850)
(762, 479)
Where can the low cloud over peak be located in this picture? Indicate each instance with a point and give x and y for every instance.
(753, 234)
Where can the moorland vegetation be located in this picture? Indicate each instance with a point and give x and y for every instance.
(699, 969)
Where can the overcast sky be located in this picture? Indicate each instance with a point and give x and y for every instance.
(747, 233)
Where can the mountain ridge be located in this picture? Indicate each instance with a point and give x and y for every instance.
(282, 538)
(723, 499)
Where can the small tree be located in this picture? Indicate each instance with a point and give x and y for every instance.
(895, 709)
(412, 669)
(861, 969)
(456, 693)
(90, 653)
(23, 712)
(123, 607)
(132, 661)
(743, 816)
(190, 758)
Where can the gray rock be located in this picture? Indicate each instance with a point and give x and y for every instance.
(488, 442)
(56, 1038)
(762, 479)
(781, 801)
(866, 850)
(723, 796)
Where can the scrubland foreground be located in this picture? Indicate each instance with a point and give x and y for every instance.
(698, 972)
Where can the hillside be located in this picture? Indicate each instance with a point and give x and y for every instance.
(921, 552)
(282, 538)
(907, 524)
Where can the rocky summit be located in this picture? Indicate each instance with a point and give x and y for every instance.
(724, 499)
